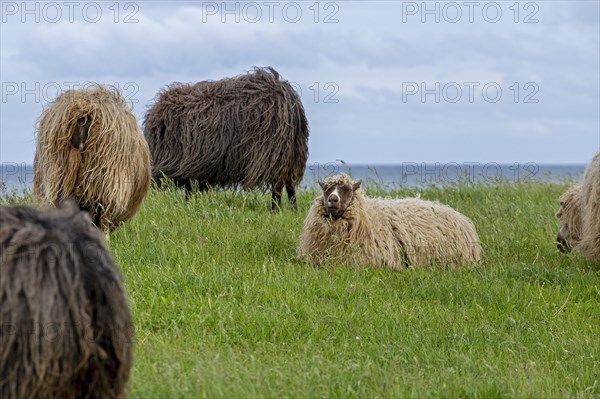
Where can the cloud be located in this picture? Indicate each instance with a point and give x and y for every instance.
(357, 76)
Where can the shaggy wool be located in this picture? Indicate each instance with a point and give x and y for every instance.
(66, 330)
(579, 215)
(569, 219)
(395, 233)
(90, 147)
(249, 131)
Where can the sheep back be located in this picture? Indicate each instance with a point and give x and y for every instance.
(249, 130)
(66, 326)
(108, 173)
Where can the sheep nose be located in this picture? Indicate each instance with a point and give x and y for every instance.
(333, 200)
(562, 244)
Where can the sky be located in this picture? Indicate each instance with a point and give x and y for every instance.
(381, 82)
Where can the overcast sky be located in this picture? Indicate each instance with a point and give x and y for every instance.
(381, 82)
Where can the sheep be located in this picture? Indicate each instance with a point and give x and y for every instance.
(248, 131)
(569, 218)
(66, 329)
(345, 226)
(90, 147)
(579, 215)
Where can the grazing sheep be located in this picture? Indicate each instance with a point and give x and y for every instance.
(345, 226)
(579, 215)
(90, 147)
(66, 330)
(248, 131)
(569, 219)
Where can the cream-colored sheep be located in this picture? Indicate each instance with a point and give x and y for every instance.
(579, 215)
(345, 226)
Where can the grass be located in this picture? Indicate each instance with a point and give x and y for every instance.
(223, 309)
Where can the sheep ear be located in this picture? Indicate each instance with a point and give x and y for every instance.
(322, 184)
(356, 185)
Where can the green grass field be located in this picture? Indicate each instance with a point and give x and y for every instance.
(223, 309)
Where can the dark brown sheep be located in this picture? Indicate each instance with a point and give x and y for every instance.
(66, 330)
(248, 131)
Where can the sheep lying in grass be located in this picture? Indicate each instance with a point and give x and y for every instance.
(65, 325)
(579, 215)
(345, 226)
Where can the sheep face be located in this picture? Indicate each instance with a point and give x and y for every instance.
(337, 197)
(569, 220)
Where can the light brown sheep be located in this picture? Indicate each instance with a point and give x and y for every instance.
(579, 215)
(345, 226)
(90, 148)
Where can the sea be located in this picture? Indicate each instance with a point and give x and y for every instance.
(17, 178)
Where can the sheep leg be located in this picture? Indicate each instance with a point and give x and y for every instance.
(276, 196)
(192, 186)
(186, 184)
(161, 181)
(95, 214)
(291, 193)
(187, 187)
